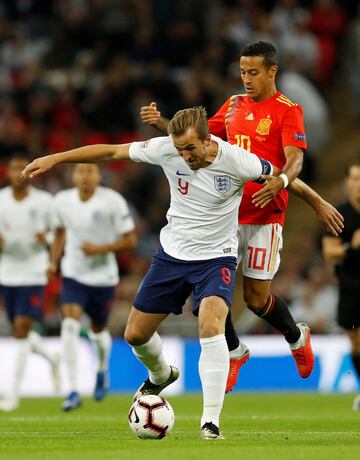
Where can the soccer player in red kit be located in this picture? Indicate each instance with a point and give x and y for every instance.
(267, 123)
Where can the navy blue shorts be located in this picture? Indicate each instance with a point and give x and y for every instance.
(23, 301)
(95, 301)
(169, 282)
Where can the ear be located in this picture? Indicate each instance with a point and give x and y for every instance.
(273, 70)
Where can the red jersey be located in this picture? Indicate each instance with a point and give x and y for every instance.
(264, 128)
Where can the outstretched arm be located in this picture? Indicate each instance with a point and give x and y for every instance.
(324, 211)
(88, 154)
(150, 115)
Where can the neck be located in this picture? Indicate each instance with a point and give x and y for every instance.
(267, 94)
(20, 193)
(86, 195)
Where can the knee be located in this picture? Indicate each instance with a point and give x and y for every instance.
(255, 300)
(134, 336)
(20, 333)
(97, 328)
(21, 328)
(212, 316)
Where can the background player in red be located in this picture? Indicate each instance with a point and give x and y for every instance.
(270, 125)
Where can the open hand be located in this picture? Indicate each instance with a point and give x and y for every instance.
(263, 196)
(329, 216)
(38, 166)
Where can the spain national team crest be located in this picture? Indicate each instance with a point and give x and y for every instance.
(222, 183)
(263, 128)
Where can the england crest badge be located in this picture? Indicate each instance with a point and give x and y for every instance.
(222, 183)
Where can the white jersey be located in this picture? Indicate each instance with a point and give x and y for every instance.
(102, 219)
(202, 218)
(23, 259)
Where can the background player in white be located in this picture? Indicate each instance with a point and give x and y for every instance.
(198, 247)
(93, 223)
(25, 218)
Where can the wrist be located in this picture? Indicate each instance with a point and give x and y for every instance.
(285, 179)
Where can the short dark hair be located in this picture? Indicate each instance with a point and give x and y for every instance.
(355, 161)
(265, 49)
(19, 156)
(196, 118)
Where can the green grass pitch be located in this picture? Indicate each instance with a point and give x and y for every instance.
(256, 426)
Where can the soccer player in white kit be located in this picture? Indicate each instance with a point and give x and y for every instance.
(198, 247)
(25, 218)
(92, 223)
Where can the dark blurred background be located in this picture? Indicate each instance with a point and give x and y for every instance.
(75, 72)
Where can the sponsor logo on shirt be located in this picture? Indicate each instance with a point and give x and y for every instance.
(299, 136)
(179, 173)
(226, 250)
(263, 128)
(222, 183)
(250, 116)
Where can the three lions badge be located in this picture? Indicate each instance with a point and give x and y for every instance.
(222, 183)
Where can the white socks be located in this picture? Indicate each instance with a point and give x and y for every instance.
(37, 346)
(213, 370)
(22, 353)
(151, 355)
(102, 342)
(70, 330)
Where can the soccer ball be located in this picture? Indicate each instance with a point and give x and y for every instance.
(151, 417)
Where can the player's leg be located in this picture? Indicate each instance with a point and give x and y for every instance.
(101, 338)
(238, 352)
(37, 346)
(23, 305)
(348, 317)
(147, 346)
(214, 282)
(354, 336)
(70, 339)
(21, 326)
(73, 297)
(162, 291)
(213, 363)
(261, 259)
(274, 310)
(98, 309)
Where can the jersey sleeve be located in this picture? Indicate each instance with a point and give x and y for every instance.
(248, 166)
(154, 151)
(217, 124)
(123, 221)
(292, 128)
